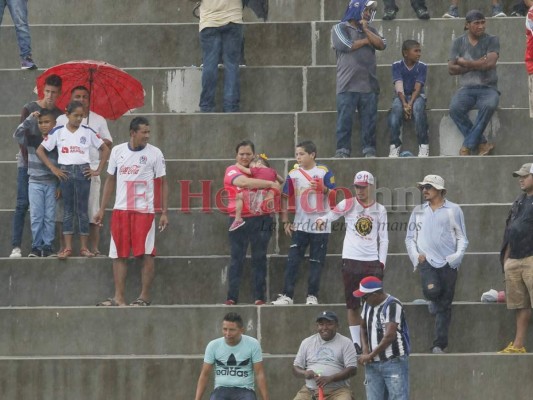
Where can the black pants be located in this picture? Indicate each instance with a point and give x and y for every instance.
(438, 285)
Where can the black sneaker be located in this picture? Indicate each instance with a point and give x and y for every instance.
(49, 252)
(422, 13)
(27, 63)
(35, 253)
(389, 14)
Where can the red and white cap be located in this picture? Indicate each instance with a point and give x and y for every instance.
(363, 178)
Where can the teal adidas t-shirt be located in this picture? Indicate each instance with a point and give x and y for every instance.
(234, 365)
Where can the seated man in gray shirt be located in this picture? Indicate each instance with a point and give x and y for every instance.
(326, 360)
(474, 56)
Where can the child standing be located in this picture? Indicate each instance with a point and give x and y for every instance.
(259, 169)
(409, 78)
(308, 185)
(43, 185)
(74, 172)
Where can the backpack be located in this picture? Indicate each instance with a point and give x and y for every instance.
(403, 328)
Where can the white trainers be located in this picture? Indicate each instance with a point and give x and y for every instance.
(423, 150)
(282, 300)
(394, 151)
(15, 253)
(311, 300)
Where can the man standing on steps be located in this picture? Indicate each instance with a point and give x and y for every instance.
(51, 92)
(19, 14)
(221, 34)
(237, 359)
(355, 43)
(98, 124)
(436, 243)
(365, 247)
(473, 57)
(132, 168)
(517, 258)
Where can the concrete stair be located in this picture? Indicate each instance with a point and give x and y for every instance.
(56, 345)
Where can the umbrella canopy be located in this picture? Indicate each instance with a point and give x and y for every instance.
(113, 92)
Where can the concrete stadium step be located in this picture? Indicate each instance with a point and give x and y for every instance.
(192, 136)
(172, 11)
(396, 189)
(432, 377)
(203, 280)
(303, 43)
(282, 89)
(79, 331)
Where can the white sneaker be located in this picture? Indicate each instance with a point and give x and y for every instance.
(311, 300)
(423, 150)
(282, 300)
(394, 151)
(15, 253)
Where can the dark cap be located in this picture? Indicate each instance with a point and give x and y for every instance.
(474, 15)
(329, 315)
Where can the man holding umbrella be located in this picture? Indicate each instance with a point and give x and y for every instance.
(97, 123)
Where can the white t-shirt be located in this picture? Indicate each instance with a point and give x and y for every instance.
(367, 237)
(308, 207)
(135, 172)
(99, 125)
(72, 147)
(216, 13)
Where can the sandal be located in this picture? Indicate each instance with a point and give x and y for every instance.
(140, 303)
(64, 254)
(86, 253)
(110, 302)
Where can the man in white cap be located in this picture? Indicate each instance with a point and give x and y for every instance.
(327, 360)
(366, 243)
(436, 242)
(386, 343)
(517, 258)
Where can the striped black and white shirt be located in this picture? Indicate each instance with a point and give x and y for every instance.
(376, 319)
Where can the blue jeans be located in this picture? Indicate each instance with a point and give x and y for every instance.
(225, 40)
(318, 247)
(256, 232)
(19, 14)
(438, 286)
(367, 106)
(75, 192)
(232, 393)
(483, 98)
(42, 214)
(23, 203)
(387, 380)
(418, 115)
(416, 4)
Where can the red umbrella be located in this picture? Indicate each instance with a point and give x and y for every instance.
(113, 91)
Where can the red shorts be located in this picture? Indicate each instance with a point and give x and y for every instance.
(132, 231)
(353, 271)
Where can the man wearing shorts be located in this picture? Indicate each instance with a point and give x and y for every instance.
(133, 166)
(98, 124)
(365, 247)
(517, 257)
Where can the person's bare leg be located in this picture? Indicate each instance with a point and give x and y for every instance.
(119, 275)
(147, 276)
(94, 238)
(84, 239)
(68, 241)
(523, 315)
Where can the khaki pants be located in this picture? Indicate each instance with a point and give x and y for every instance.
(339, 394)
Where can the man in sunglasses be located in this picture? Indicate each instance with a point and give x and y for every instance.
(436, 242)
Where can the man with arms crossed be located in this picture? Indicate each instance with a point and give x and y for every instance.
(132, 168)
